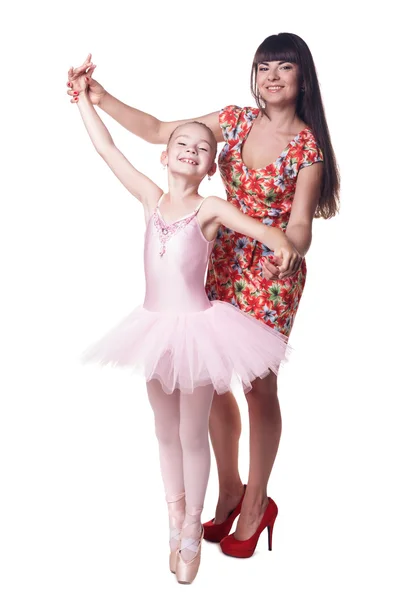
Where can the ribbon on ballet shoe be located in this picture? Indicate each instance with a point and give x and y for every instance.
(176, 498)
(176, 514)
(176, 507)
(186, 571)
(192, 532)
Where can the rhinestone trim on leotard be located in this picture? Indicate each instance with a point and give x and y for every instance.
(165, 232)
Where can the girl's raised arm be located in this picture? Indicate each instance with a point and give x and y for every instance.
(142, 124)
(135, 182)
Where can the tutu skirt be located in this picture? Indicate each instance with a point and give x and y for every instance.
(186, 350)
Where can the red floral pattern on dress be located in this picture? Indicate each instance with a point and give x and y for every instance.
(266, 194)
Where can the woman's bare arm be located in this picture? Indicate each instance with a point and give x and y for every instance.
(305, 202)
(150, 128)
(142, 124)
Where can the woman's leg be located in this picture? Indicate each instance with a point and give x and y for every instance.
(166, 416)
(193, 431)
(225, 430)
(265, 432)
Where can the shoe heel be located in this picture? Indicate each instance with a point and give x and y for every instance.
(271, 528)
(245, 548)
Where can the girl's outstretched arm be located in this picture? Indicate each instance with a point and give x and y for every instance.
(220, 212)
(135, 182)
(142, 124)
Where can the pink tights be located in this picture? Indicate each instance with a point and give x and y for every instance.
(181, 424)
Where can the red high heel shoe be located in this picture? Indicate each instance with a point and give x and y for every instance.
(216, 532)
(245, 548)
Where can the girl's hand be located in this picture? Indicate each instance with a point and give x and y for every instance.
(80, 79)
(290, 259)
(79, 85)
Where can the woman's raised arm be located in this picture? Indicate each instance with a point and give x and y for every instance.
(142, 124)
(150, 128)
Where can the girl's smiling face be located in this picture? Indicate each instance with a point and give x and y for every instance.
(191, 151)
(278, 82)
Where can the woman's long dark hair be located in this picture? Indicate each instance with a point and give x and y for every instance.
(291, 48)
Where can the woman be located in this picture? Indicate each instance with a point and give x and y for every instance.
(263, 168)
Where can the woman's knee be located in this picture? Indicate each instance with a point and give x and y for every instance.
(264, 394)
(225, 410)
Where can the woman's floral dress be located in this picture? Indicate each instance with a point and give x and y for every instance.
(267, 194)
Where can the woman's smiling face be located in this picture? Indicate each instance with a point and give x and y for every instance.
(278, 82)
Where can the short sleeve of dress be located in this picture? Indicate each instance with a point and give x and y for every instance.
(228, 120)
(312, 153)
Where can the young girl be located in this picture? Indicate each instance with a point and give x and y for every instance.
(186, 346)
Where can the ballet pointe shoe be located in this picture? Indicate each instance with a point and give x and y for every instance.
(245, 548)
(216, 532)
(186, 571)
(173, 556)
(176, 513)
(175, 529)
(188, 557)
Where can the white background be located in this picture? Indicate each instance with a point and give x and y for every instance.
(82, 509)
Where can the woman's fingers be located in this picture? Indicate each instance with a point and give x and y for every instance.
(90, 71)
(81, 70)
(284, 265)
(293, 266)
(74, 73)
(86, 63)
(285, 255)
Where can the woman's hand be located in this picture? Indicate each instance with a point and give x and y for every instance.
(288, 259)
(80, 79)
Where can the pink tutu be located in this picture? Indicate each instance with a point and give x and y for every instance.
(178, 336)
(187, 350)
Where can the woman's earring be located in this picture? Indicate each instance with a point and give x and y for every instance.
(209, 178)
